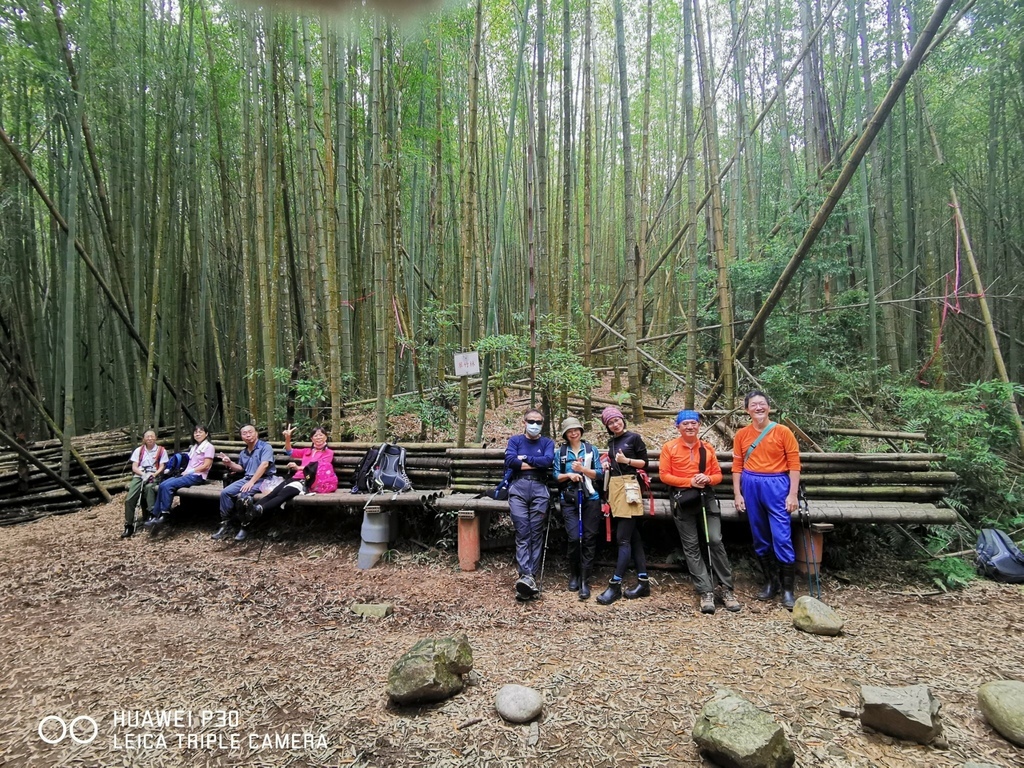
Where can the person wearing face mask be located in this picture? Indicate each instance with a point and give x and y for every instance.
(765, 480)
(326, 479)
(627, 454)
(689, 466)
(530, 457)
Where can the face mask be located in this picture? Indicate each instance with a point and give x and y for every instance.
(533, 429)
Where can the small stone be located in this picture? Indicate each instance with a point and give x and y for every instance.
(1002, 703)
(813, 616)
(534, 736)
(472, 678)
(518, 704)
(850, 712)
(373, 610)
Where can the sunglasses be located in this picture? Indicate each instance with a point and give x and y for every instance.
(534, 421)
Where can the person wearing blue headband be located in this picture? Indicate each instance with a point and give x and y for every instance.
(689, 466)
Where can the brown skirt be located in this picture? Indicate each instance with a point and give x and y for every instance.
(617, 498)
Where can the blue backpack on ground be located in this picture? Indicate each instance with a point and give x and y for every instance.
(999, 558)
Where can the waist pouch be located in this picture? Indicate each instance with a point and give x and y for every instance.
(631, 488)
(683, 498)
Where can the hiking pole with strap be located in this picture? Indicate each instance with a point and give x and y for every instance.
(813, 587)
(579, 509)
(606, 507)
(707, 536)
(544, 551)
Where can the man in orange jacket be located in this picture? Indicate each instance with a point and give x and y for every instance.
(680, 467)
(765, 480)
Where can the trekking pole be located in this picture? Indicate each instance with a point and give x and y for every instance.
(544, 552)
(579, 509)
(813, 588)
(606, 507)
(707, 536)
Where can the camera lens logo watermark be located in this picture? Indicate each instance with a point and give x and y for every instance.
(53, 729)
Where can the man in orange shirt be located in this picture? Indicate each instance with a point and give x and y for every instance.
(680, 468)
(765, 479)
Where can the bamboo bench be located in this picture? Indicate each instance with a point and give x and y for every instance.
(426, 465)
(841, 488)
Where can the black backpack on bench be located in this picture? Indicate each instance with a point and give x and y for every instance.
(382, 469)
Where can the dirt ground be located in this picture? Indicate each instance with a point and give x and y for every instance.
(256, 643)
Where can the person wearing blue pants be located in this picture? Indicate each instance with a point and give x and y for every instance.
(200, 459)
(530, 457)
(256, 462)
(765, 478)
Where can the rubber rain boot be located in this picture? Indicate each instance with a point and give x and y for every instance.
(771, 577)
(788, 580)
(585, 585)
(610, 595)
(642, 589)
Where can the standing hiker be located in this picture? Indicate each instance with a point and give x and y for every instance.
(147, 462)
(627, 455)
(530, 457)
(765, 480)
(689, 466)
(577, 469)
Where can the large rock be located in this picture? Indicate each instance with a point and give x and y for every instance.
(910, 712)
(815, 617)
(518, 704)
(735, 734)
(431, 670)
(1002, 703)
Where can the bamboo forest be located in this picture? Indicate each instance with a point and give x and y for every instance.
(226, 213)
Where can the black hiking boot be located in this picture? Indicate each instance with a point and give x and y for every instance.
(610, 595)
(129, 529)
(526, 588)
(642, 589)
(223, 532)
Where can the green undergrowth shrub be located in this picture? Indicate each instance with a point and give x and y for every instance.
(974, 428)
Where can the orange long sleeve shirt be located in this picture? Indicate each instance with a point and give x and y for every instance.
(777, 453)
(679, 462)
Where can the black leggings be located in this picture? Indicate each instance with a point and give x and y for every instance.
(277, 497)
(631, 545)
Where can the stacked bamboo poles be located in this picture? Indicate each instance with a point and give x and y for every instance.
(865, 476)
(28, 492)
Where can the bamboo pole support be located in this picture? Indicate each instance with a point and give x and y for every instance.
(46, 470)
(986, 315)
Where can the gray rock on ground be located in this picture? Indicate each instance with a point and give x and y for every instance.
(518, 704)
(811, 615)
(910, 712)
(430, 671)
(1002, 703)
(735, 734)
(373, 610)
